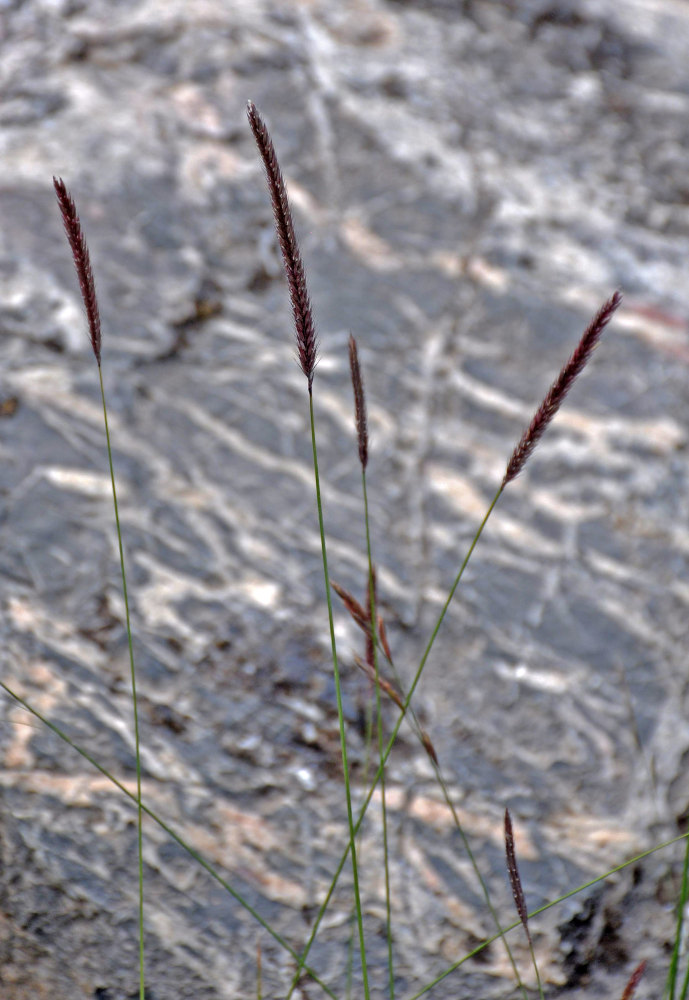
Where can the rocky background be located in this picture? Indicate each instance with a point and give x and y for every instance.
(470, 181)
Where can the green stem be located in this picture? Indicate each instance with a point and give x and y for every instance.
(539, 984)
(340, 711)
(142, 991)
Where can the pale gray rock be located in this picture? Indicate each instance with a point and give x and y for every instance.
(470, 181)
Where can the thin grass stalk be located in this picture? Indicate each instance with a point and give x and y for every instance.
(379, 713)
(191, 851)
(340, 711)
(130, 643)
(677, 947)
(349, 979)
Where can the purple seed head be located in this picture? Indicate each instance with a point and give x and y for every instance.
(307, 344)
(82, 262)
(559, 389)
(359, 402)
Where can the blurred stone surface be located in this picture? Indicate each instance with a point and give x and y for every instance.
(470, 181)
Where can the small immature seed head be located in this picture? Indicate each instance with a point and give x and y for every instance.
(513, 871)
(359, 402)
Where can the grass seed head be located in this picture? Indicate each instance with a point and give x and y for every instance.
(307, 345)
(513, 871)
(559, 389)
(82, 262)
(359, 402)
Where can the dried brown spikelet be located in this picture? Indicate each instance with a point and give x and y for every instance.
(307, 344)
(513, 871)
(634, 980)
(370, 631)
(383, 635)
(352, 605)
(428, 747)
(385, 685)
(559, 389)
(82, 262)
(359, 402)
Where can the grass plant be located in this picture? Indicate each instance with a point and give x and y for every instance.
(377, 664)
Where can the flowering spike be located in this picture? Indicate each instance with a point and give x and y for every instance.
(82, 262)
(294, 268)
(559, 389)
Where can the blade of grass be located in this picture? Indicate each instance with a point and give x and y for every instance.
(191, 851)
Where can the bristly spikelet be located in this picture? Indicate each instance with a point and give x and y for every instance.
(350, 602)
(559, 389)
(307, 343)
(634, 981)
(359, 402)
(82, 262)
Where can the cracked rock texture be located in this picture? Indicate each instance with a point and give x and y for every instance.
(470, 180)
